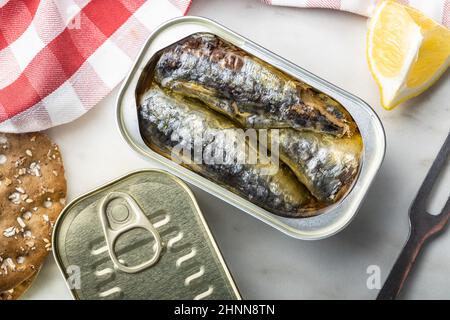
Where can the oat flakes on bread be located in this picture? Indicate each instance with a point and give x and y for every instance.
(32, 194)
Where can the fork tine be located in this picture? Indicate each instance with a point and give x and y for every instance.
(427, 185)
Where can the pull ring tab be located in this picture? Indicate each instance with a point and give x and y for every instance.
(123, 217)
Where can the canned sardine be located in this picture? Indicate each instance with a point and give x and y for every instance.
(180, 69)
(142, 236)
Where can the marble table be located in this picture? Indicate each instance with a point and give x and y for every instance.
(267, 264)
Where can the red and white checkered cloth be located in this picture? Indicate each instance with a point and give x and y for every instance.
(439, 10)
(58, 58)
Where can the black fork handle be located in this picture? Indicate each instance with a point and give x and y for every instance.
(402, 267)
(426, 227)
(423, 225)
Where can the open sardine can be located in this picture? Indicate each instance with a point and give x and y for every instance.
(332, 218)
(141, 236)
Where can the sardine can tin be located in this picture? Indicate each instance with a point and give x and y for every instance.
(336, 217)
(141, 236)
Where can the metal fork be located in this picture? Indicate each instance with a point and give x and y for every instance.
(423, 225)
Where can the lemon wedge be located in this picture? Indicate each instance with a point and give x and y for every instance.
(406, 51)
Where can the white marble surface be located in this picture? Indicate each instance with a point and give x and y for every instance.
(267, 264)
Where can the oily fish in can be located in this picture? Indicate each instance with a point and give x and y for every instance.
(140, 237)
(203, 88)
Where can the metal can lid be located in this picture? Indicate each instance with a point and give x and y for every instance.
(141, 236)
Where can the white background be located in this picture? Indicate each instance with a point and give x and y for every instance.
(267, 264)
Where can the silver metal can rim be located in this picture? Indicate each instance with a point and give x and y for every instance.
(335, 218)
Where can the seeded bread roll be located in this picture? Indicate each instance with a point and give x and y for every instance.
(32, 194)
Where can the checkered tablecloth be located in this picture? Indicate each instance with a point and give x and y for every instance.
(438, 10)
(58, 58)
